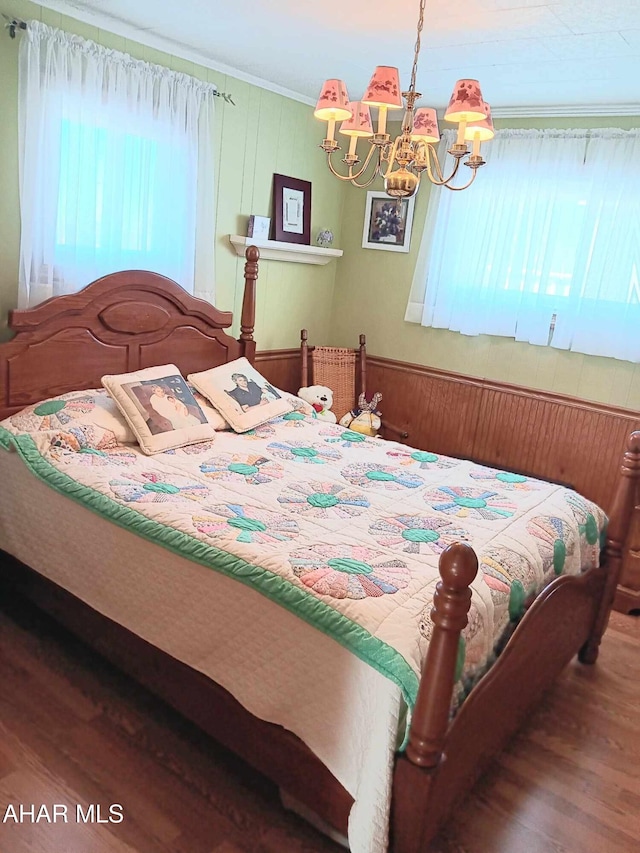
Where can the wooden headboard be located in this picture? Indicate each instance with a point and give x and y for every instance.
(119, 323)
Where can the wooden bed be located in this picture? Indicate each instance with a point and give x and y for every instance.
(131, 320)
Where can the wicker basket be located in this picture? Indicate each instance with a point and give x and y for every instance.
(336, 368)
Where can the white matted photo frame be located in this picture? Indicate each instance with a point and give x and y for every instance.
(387, 222)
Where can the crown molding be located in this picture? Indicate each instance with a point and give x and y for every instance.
(567, 111)
(150, 39)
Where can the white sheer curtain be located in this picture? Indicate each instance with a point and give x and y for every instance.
(544, 248)
(116, 168)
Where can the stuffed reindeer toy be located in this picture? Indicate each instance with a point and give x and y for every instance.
(365, 418)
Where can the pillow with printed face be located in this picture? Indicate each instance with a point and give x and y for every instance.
(243, 397)
(159, 407)
(214, 417)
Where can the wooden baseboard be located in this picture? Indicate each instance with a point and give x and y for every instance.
(627, 600)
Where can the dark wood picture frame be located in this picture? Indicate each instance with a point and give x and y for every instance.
(282, 221)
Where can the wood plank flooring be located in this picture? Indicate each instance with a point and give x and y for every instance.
(74, 731)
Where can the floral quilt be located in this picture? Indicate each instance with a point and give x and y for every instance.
(342, 529)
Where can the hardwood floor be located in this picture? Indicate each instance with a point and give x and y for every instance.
(74, 731)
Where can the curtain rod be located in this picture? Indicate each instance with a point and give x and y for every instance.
(13, 24)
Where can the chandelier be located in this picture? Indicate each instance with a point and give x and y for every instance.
(413, 152)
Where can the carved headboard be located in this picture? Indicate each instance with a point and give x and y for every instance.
(122, 322)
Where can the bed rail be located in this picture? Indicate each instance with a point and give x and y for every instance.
(624, 501)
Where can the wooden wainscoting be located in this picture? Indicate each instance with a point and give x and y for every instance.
(281, 367)
(551, 436)
(545, 435)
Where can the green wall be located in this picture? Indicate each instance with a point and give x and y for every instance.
(366, 290)
(264, 133)
(372, 290)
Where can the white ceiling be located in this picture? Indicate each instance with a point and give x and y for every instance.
(531, 56)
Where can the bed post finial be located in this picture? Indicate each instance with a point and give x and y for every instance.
(304, 358)
(458, 567)
(622, 508)
(248, 317)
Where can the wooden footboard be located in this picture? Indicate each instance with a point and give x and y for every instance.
(444, 759)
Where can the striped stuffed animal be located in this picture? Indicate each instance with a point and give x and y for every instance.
(365, 418)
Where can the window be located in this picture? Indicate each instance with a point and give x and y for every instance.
(545, 247)
(116, 168)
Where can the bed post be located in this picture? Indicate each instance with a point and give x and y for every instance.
(304, 359)
(248, 318)
(416, 769)
(363, 367)
(624, 502)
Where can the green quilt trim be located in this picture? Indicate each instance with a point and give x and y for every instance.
(352, 636)
(6, 439)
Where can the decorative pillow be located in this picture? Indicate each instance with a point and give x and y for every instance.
(212, 415)
(242, 396)
(159, 407)
(91, 413)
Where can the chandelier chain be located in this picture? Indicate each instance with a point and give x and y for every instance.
(416, 54)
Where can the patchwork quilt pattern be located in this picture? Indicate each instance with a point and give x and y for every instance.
(342, 529)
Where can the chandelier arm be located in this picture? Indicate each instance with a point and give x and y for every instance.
(433, 156)
(351, 176)
(464, 186)
(441, 181)
(370, 181)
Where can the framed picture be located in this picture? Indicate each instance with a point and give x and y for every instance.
(258, 227)
(387, 222)
(291, 210)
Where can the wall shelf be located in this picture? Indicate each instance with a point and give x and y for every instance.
(277, 250)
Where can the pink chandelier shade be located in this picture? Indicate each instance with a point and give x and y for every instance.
(425, 125)
(481, 130)
(384, 89)
(333, 103)
(360, 122)
(466, 103)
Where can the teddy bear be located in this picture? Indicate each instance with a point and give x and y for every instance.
(321, 398)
